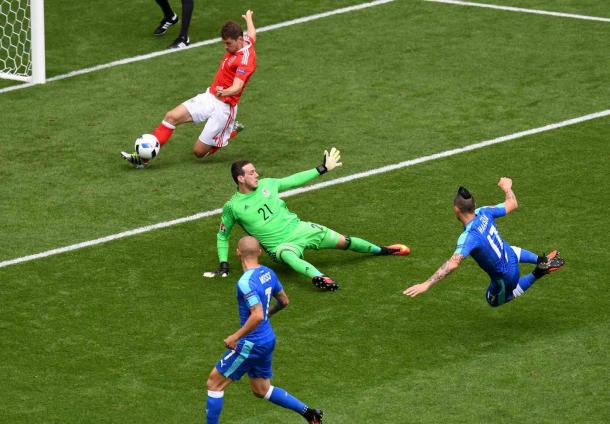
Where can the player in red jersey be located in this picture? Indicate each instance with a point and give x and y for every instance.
(218, 105)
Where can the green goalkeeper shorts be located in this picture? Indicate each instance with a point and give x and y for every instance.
(306, 236)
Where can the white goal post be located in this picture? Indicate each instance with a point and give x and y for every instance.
(22, 48)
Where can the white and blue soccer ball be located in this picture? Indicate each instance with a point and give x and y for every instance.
(147, 146)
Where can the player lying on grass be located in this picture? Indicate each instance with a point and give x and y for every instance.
(218, 104)
(482, 240)
(250, 348)
(258, 209)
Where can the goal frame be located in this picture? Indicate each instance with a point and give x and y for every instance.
(37, 46)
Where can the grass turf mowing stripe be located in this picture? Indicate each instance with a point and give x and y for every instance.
(313, 187)
(201, 43)
(522, 10)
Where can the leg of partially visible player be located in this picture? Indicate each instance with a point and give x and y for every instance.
(187, 12)
(168, 13)
(216, 385)
(262, 388)
(183, 39)
(169, 17)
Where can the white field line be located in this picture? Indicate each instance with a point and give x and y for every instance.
(522, 10)
(290, 23)
(202, 43)
(314, 187)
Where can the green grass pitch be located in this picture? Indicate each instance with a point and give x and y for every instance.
(127, 331)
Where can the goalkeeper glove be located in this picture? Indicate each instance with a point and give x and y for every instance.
(330, 161)
(222, 272)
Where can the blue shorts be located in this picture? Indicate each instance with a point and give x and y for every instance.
(500, 290)
(255, 359)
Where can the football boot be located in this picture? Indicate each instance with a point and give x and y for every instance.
(550, 263)
(324, 283)
(135, 160)
(180, 43)
(313, 416)
(395, 250)
(165, 25)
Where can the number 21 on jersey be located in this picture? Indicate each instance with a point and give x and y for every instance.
(265, 211)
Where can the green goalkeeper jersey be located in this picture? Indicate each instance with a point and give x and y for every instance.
(261, 213)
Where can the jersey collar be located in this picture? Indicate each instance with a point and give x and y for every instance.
(246, 47)
(240, 194)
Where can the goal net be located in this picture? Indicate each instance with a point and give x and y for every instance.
(22, 40)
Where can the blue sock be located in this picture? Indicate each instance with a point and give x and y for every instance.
(281, 397)
(528, 257)
(526, 281)
(214, 406)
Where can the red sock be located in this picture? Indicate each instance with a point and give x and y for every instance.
(233, 134)
(163, 132)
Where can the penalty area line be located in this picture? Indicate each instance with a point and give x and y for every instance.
(313, 187)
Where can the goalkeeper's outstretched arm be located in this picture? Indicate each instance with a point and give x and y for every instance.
(329, 162)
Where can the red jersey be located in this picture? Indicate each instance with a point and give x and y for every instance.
(240, 65)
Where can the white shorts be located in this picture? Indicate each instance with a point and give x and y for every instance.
(220, 117)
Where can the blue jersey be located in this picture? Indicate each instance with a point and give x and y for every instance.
(483, 242)
(257, 286)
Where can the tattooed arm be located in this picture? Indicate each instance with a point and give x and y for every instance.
(510, 200)
(440, 273)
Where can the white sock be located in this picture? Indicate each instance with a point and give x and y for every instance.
(268, 395)
(518, 291)
(168, 125)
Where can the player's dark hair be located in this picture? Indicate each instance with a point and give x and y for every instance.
(463, 200)
(231, 30)
(237, 169)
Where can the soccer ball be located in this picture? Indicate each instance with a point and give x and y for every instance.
(147, 146)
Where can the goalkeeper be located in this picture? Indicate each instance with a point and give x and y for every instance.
(258, 209)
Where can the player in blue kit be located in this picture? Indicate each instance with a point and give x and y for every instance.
(250, 349)
(495, 256)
